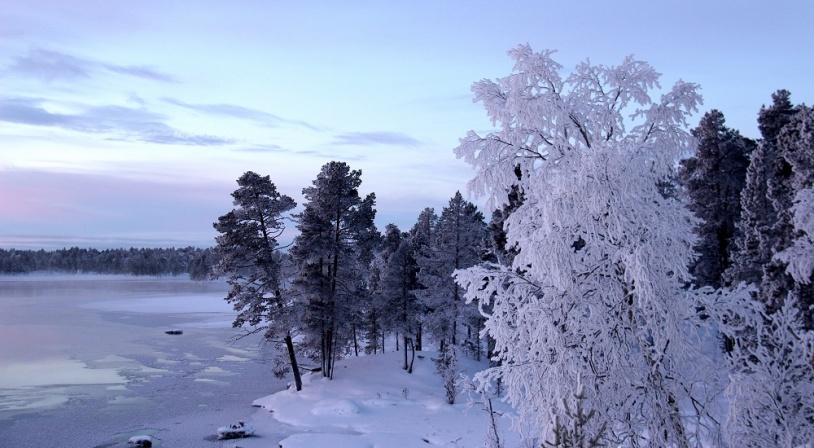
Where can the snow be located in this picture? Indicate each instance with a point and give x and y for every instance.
(141, 440)
(373, 402)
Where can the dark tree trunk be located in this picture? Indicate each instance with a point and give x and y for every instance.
(289, 344)
(355, 342)
(405, 353)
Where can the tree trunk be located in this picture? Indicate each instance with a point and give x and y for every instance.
(405, 353)
(289, 344)
(355, 341)
(412, 358)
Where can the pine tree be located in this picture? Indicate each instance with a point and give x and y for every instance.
(398, 287)
(378, 313)
(713, 180)
(247, 245)
(332, 253)
(457, 243)
(422, 234)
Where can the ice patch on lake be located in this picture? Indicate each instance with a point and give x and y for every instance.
(230, 358)
(211, 381)
(18, 400)
(55, 372)
(217, 370)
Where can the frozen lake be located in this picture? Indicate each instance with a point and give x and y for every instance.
(85, 361)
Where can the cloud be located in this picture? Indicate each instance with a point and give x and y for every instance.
(51, 65)
(262, 148)
(126, 124)
(235, 111)
(375, 138)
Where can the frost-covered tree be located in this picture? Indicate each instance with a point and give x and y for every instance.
(752, 248)
(765, 201)
(778, 172)
(596, 289)
(713, 179)
(457, 243)
(771, 393)
(796, 143)
(247, 245)
(331, 255)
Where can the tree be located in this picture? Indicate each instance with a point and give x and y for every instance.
(778, 172)
(596, 290)
(752, 247)
(771, 393)
(379, 313)
(505, 255)
(398, 287)
(713, 180)
(796, 143)
(331, 254)
(457, 243)
(247, 245)
(422, 234)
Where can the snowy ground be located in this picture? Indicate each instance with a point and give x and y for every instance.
(373, 403)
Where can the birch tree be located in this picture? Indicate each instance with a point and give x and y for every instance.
(595, 289)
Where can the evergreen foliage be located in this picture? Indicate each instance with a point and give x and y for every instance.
(713, 180)
(331, 255)
(194, 261)
(457, 242)
(251, 262)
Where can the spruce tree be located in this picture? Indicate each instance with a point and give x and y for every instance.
(713, 180)
(765, 202)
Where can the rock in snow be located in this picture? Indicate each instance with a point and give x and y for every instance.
(142, 441)
(235, 431)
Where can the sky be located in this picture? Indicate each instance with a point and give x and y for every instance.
(127, 124)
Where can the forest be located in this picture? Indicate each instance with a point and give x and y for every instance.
(193, 261)
(638, 283)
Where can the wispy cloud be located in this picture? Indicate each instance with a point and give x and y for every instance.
(52, 65)
(262, 149)
(235, 111)
(375, 138)
(123, 123)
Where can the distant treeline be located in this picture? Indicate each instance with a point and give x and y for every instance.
(144, 261)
